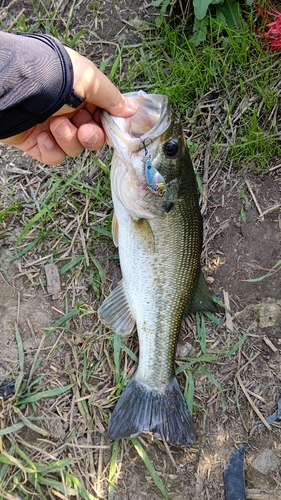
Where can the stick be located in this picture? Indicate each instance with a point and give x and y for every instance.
(254, 198)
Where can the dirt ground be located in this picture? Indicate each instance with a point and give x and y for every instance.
(239, 245)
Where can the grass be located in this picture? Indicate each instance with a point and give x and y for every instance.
(241, 76)
(65, 218)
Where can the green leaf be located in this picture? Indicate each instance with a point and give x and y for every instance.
(56, 466)
(200, 31)
(231, 12)
(78, 486)
(200, 8)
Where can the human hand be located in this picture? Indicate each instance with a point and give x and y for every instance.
(69, 131)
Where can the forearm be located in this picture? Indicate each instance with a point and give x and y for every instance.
(36, 80)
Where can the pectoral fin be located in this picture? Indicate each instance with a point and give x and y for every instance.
(115, 229)
(115, 312)
(143, 235)
(202, 299)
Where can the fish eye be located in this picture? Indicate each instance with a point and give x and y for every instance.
(171, 147)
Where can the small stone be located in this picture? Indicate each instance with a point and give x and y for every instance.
(268, 312)
(265, 461)
(183, 350)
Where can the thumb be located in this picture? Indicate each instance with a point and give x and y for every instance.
(91, 84)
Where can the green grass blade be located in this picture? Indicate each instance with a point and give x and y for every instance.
(61, 322)
(71, 264)
(189, 392)
(26, 249)
(11, 429)
(212, 317)
(114, 68)
(273, 270)
(99, 268)
(157, 480)
(201, 331)
(101, 230)
(112, 470)
(130, 353)
(55, 466)
(32, 221)
(29, 424)
(46, 394)
(238, 344)
(117, 349)
(207, 358)
(214, 381)
(85, 495)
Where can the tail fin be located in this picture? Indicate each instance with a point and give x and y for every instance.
(141, 410)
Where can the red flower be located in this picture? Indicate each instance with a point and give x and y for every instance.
(272, 18)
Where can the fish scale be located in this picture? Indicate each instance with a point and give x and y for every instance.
(159, 236)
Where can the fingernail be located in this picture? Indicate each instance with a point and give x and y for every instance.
(63, 129)
(47, 141)
(131, 103)
(92, 139)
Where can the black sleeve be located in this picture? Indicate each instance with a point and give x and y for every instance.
(36, 80)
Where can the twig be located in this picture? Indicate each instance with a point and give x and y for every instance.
(254, 494)
(78, 228)
(270, 209)
(256, 410)
(274, 168)
(254, 198)
(228, 317)
(269, 344)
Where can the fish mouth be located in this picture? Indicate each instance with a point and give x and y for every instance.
(151, 120)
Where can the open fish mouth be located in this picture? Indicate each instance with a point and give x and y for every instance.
(151, 120)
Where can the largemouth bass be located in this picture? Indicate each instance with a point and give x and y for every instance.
(157, 227)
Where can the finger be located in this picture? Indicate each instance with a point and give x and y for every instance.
(43, 149)
(65, 134)
(91, 136)
(97, 89)
(47, 150)
(82, 116)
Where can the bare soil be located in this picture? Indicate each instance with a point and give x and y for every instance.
(236, 249)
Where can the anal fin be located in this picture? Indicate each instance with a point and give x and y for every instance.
(115, 312)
